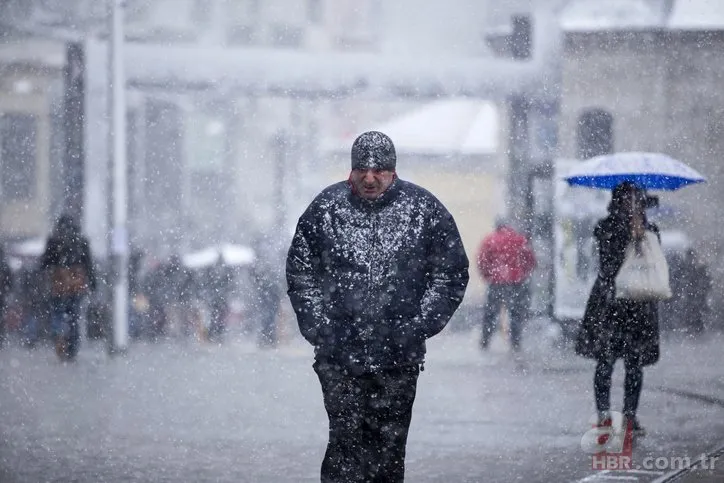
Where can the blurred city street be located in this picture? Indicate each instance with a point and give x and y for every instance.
(192, 412)
(156, 156)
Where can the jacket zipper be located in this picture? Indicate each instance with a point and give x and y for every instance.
(370, 270)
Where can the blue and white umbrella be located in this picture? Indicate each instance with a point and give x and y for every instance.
(650, 171)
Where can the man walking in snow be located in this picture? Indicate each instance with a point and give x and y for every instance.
(375, 268)
(506, 261)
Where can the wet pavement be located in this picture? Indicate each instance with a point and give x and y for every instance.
(196, 412)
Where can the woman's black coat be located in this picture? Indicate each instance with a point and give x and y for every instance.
(614, 328)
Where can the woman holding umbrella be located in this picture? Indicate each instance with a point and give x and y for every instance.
(615, 328)
(620, 328)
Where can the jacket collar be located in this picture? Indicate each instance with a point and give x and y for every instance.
(387, 197)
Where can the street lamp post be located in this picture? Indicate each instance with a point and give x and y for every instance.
(117, 133)
(519, 153)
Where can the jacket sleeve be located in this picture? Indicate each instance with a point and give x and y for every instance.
(447, 280)
(612, 238)
(484, 260)
(304, 274)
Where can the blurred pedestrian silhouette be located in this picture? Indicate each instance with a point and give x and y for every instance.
(67, 260)
(505, 261)
(6, 285)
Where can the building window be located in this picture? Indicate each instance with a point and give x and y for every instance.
(254, 7)
(543, 130)
(242, 18)
(206, 142)
(315, 11)
(284, 35)
(201, 12)
(356, 23)
(240, 35)
(595, 133)
(18, 155)
(714, 129)
(243, 11)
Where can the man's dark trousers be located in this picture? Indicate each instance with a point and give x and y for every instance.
(369, 417)
(514, 297)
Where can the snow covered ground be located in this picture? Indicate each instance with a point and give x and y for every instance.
(191, 412)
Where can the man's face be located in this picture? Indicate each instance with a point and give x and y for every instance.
(371, 183)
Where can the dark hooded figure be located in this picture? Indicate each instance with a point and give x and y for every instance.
(179, 289)
(68, 261)
(375, 268)
(218, 288)
(618, 328)
(268, 293)
(6, 285)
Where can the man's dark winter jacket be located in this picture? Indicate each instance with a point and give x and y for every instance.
(371, 280)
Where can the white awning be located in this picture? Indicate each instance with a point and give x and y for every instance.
(447, 127)
(612, 15)
(284, 73)
(697, 15)
(596, 15)
(32, 247)
(228, 254)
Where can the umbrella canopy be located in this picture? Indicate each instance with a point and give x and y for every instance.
(235, 255)
(651, 171)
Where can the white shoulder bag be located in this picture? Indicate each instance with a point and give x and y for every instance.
(644, 274)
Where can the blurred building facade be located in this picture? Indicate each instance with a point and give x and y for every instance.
(28, 143)
(206, 163)
(203, 163)
(650, 79)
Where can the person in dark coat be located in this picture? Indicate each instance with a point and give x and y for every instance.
(375, 268)
(698, 291)
(268, 293)
(673, 312)
(67, 259)
(6, 286)
(618, 328)
(153, 287)
(218, 286)
(34, 298)
(179, 290)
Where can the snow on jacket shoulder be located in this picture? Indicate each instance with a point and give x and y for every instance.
(371, 280)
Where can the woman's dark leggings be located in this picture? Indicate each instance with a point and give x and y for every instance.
(632, 385)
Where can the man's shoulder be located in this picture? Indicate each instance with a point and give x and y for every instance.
(419, 193)
(332, 193)
(496, 239)
(330, 196)
(490, 238)
(517, 237)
